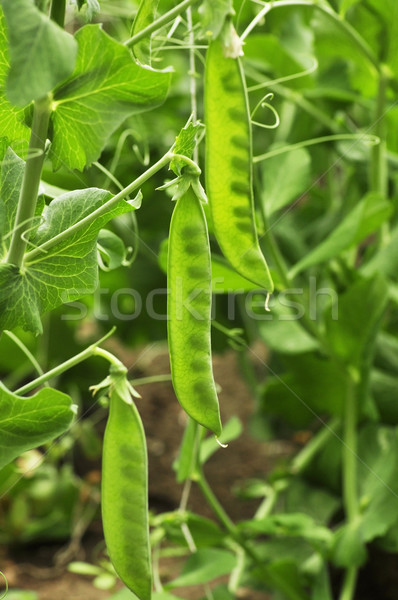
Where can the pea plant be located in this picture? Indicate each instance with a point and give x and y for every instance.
(299, 214)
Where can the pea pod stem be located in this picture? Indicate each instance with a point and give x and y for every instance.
(160, 22)
(71, 362)
(86, 221)
(57, 239)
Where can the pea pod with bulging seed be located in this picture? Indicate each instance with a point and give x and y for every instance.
(189, 312)
(229, 162)
(124, 495)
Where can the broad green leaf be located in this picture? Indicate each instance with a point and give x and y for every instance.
(105, 88)
(386, 259)
(360, 309)
(205, 532)
(224, 279)
(384, 391)
(231, 431)
(334, 48)
(145, 16)
(279, 190)
(92, 7)
(303, 497)
(212, 16)
(65, 272)
(364, 219)
(185, 144)
(377, 480)
(388, 12)
(111, 249)
(285, 575)
(346, 4)
(349, 548)
(203, 566)
(11, 118)
(221, 592)
(41, 53)
(289, 525)
(386, 355)
(312, 386)
(26, 423)
(281, 329)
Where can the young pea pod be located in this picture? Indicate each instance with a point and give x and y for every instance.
(189, 311)
(125, 495)
(229, 165)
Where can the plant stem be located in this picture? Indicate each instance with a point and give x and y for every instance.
(160, 22)
(339, 137)
(349, 583)
(151, 379)
(31, 180)
(57, 13)
(65, 366)
(30, 256)
(304, 457)
(350, 490)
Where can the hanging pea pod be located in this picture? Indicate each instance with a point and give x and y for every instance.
(229, 160)
(189, 311)
(124, 495)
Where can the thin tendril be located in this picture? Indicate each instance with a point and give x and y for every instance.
(370, 139)
(286, 78)
(27, 353)
(264, 104)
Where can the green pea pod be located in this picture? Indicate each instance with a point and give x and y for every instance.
(229, 165)
(189, 311)
(125, 496)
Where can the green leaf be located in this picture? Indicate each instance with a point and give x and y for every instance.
(212, 16)
(285, 575)
(145, 16)
(279, 190)
(221, 592)
(185, 144)
(223, 278)
(66, 271)
(349, 549)
(377, 481)
(11, 118)
(26, 423)
(106, 87)
(364, 219)
(289, 525)
(385, 261)
(111, 249)
(384, 391)
(313, 385)
(41, 53)
(388, 12)
(231, 431)
(282, 332)
(203, 566)
(92, 7)
(360, 309)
